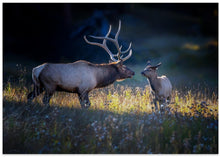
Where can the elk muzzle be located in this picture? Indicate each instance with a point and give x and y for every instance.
(130, 73)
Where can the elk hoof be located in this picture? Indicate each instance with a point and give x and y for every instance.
(85, 106)
(29, 101)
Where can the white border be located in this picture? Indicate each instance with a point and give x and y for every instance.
(88, 1)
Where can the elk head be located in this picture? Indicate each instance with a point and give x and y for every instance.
(118, 58)
(150, 71)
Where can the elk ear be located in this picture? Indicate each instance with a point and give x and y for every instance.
(120, 63)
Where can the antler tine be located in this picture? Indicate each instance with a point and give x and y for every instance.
(103, 45)
(115, 41)
(109, 31)
(105, 48)
(93, 43)
(104, 38)
(128, 56)
(127, 49)
(119, 29)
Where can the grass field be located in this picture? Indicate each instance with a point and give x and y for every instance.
(121, 119)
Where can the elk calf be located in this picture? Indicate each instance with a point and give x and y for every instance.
(160, 85)
(81, 77)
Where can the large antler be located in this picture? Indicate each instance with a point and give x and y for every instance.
(115, 41)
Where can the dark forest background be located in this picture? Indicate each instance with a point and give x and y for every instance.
(183, 36)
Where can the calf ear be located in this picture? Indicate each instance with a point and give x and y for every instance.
(156, 66)
(148, 63)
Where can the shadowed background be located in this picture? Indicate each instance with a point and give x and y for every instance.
(184, 37)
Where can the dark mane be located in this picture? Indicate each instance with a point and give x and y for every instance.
(102, 64)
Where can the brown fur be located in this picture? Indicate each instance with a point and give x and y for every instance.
(79, 77)
(160, 86)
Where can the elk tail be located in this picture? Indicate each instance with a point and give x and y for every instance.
(35, 77)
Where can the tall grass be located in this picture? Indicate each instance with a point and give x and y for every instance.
(121, 119)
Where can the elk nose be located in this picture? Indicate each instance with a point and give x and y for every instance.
(133, 73)
(142, 73)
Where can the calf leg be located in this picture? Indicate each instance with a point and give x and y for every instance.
(154, 100)
(168, 101)
(84, 99)
(162, 104)
(155, 103)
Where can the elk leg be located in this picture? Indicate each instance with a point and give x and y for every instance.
(47, 97)
(84, 100)
(30, 96)
(37, 91)
(168, 100)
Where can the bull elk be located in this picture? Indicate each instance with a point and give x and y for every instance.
(160, 85)
(81, 76)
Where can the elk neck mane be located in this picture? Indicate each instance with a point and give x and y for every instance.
(105, 74)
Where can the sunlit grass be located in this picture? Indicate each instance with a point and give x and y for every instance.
(124, 99)
(121, 119)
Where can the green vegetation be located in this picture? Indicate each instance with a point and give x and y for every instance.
(121, 119)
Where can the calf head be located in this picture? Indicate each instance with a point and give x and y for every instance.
(150, 71)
